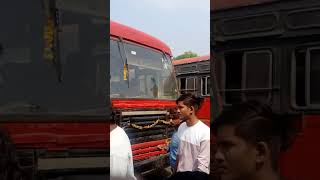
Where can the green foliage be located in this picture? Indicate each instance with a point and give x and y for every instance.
(187, 54)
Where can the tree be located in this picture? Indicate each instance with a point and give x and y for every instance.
(187, 54)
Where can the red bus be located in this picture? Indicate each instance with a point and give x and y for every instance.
(143, 91)
(270, 51)
(193, 75)
(52, 83)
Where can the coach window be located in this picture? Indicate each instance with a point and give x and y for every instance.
(208, 85)
(248, 75)
(182, 84)
(314, 56)
(307, 77)
(257, 75)
(205, 83)
(191, 85)
(233, 77)
(187, 85)
(299, 73)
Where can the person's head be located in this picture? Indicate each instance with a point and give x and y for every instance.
(176, 122)
(113, 122)
(174, 117)
(112, 116)
(248, 141)
(188, 104)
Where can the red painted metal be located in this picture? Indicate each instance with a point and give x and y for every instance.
(141, 151)
(204, 111)
(130, 34)
(148, 155)
(146, 147)
(148, 144)
(144, 150)
(53, 136)
(142, 103)
(191, 60)
(301, 161)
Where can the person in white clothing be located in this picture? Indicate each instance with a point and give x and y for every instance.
(121, 161)
(193, 158)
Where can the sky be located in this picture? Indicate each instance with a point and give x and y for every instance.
(184, 25)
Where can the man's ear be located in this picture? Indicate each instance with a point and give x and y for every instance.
(192, 108)
(262, 152)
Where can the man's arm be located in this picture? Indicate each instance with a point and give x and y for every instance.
(130, 167)
(130, 170)
(204, 157)
(177, 162)
(177, 155)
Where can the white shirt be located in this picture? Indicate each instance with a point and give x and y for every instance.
(121, 162)
(194, 147)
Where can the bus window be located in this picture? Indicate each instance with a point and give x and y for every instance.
(183, 83)
(205, 82)
(151, 74)
(300, 83)
(307, 77)
(248, 76)
(116, 71)
(233, 77)
(60, 81)
(188, 85)
(258, 69)
(191, 84)
(203, 85)
(315, 76)
(208, 85)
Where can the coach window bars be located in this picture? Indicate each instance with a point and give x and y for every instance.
(257, 75)
(306, 77)
(248, 75)
(187, 85)
(205, 85)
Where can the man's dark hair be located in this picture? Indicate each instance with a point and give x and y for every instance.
(112, 116)
(256, 122)
(190, 100)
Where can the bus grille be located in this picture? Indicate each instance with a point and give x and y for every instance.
(146, 132)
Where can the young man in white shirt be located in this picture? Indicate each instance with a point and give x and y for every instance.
(121, 160)
(193, 157)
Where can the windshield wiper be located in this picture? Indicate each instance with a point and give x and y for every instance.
(57, 45)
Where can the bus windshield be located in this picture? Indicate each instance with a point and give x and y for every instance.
(49, 66)
(150, 72)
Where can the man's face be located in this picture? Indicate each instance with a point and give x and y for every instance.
(184, 111)
(235, 158)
